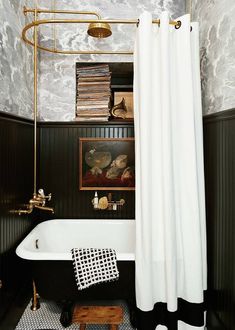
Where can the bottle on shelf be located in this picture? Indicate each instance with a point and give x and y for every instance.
(95, 201)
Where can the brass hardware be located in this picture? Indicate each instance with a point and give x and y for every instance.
(35, 101)
(78, 21)
(35, 299)
(73, 12)
(27, 211)
(99, 30)
(44, 208)
(38, 201)
(106, 203)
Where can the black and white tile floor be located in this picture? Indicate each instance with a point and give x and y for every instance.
(48, 317)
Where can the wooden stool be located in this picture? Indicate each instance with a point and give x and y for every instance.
(109, 315)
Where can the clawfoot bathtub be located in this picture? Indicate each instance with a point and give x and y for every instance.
(47, 247)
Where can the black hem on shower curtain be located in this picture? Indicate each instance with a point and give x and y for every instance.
(189, 313)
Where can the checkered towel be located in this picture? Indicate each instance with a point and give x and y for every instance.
(92, 266)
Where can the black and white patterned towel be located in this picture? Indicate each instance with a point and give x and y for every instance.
(92, 266)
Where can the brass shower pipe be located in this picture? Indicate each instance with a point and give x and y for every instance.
(35, 112)
(47, 11)
(37, 23)
(39, 199)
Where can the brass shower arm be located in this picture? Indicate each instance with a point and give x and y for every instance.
(67, 52)
(74, 21)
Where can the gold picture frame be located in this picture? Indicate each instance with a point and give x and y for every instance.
(106, 164)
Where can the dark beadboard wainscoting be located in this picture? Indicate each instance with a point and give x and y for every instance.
(16, 187)
(59, 169)
(219, 149)
(59, 174)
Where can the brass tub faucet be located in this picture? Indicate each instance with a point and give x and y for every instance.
(38, 201)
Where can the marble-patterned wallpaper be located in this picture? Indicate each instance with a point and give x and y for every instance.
(217, 44)
(15, 61)
(57, 72)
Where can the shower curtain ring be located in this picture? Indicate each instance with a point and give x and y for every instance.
(178, 25)
(138, 22)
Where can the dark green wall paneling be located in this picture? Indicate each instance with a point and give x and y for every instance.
(16, 187)
(219, 149)
(59, 154)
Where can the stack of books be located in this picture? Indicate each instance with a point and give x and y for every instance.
(93, 93)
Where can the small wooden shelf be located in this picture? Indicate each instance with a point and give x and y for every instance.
(111, 123)
(115, 121)
(120, 120)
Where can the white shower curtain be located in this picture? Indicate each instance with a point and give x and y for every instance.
(170, 210)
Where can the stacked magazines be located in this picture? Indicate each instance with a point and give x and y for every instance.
(93, 93)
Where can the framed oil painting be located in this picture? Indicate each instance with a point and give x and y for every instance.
(106, 164)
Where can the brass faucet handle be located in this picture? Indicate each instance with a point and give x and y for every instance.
(42, 195)
(38, 201)
(48, 197)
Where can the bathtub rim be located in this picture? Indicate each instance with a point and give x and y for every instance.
(26, 254)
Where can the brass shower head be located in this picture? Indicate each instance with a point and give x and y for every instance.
(99, 30)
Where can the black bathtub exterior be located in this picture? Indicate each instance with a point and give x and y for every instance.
(55, 280)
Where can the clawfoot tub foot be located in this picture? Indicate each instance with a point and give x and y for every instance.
(35, 299)
(67, 313)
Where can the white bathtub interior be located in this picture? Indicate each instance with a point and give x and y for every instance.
(54, 239)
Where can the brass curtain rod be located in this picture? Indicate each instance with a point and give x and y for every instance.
(37, 23)
(76, 12)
